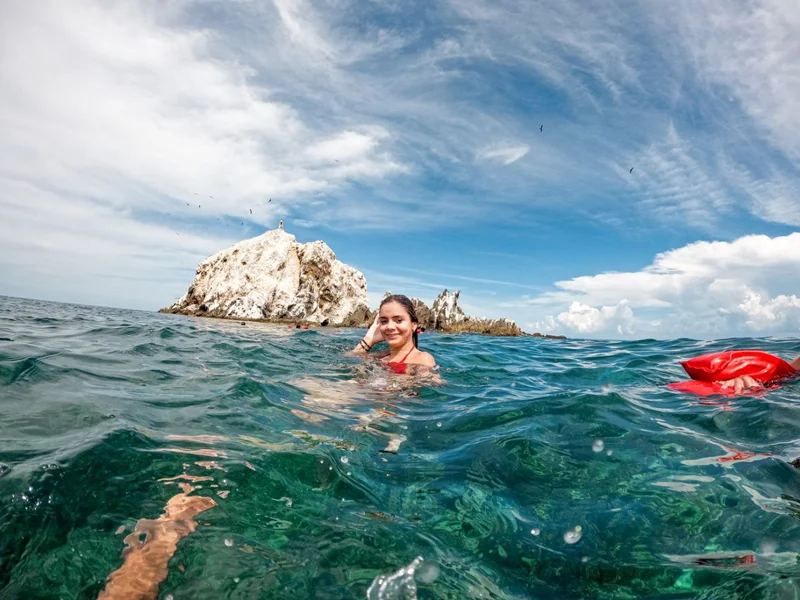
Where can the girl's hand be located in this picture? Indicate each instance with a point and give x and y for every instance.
(374, 335)
(740, 384)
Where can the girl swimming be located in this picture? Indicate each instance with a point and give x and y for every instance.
(396, 324)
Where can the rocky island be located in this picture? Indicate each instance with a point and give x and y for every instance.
(274, 278)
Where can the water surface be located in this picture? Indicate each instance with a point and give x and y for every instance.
(543, 469)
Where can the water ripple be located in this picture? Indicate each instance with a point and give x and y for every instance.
(325, 473)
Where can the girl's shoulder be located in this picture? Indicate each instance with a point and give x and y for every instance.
(424, 358)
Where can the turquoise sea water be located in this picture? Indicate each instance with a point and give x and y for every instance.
(324, 475)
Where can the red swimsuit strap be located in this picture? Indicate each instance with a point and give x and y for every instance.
(407, 355)
(403, 360)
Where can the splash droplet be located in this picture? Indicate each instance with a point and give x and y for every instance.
(598, 445)
(573, 536)
(235, 580)
(609, 453)
(439, 424)
(536, 531)
(349, 473)
(345, 460)
(228, 542)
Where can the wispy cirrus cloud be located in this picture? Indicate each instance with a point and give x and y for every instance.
(505, 155)
(749, 49)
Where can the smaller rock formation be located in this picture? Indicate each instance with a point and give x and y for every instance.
(447, 315)
(549, 336)
(273, 278)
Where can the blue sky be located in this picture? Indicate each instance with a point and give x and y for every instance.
(407, 136)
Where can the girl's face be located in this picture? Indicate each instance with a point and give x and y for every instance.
(395, 324)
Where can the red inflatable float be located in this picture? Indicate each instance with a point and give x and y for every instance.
(708, 369)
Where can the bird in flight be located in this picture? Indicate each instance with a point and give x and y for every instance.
(251, 211)
(631, 171)
(270, 200)
(541, 127)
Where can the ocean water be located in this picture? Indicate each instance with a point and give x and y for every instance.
(259, 461)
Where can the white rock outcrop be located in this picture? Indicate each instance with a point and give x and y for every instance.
(446, 311)
(272, 277)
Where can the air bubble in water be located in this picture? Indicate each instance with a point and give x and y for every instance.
(235, 580)
(322, 462)
(168, 597)
(609, 453)
(330, 468)
(345, 460)
(573, 536)
(598, 445)
(536, 531)
(349, 473)
(439, 424)
(428, 572)
(228, 542)
(769, 546)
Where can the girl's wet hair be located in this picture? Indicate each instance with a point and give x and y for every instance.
(409, 306)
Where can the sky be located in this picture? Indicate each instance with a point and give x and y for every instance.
(479, 145)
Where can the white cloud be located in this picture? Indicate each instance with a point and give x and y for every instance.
(105, 97)
(570, 46)
(297, 18)
(110, 115)
(675, 184)
(347, 144)
(752, 48)
(771, 196)
(700, 290)
(506, 155)
(586, 319)
(782, 311)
